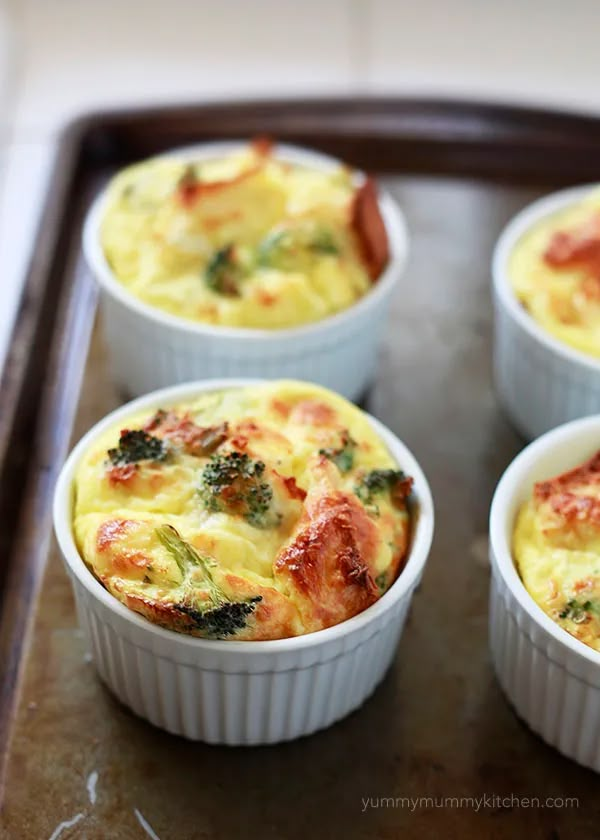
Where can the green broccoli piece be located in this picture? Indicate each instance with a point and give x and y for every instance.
(270, 247)
(377, 482)
(576, 612)
(381, 582)
(218, 617)
(323, 243)
(223, 620)
(137, 445)
(232, 482)
(224, 273)
(343, 456)
(284, 249)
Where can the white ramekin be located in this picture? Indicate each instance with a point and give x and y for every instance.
(551, 678)
(541, 382)
(232, 692)
(150, 349)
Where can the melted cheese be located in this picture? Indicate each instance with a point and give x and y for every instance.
(563, 298)
(316, 543)
(245, 241)
(557, 550)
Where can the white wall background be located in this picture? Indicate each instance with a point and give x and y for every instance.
(75, 55)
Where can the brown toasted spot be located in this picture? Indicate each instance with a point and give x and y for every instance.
(313, 413)
(294, 492)
(164, 614)
(112, 530)
(281, 407)
(196, 440)
(368, 225)
(266, 298)
(330, 560)
(121, 474)
(569, 504)
(262, 145)
(582, 585)
(239, 442)
(578, 247)
(248, 431)
(591, 285)
(275, 616)
(587, 473)
(126, 561)
(190, 189)
(572, 508)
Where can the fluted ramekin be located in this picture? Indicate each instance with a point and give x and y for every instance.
(232, 692)
(151, 349)
(541, 381)
(551, 678)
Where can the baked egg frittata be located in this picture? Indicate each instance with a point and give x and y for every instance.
(555, 273)
(556, 548)
(257, 513)
(247, 240)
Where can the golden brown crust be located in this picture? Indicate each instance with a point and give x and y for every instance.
(262, 145)
(586, 474)
(569, 504)
(276, 617)
(330, 561)
(190, 190)
(182, 431)
(313, 412)
(577, 247)
(369, 227)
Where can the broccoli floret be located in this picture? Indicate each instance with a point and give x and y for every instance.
(224, 620)
(137, 445)
(285, 249)
(343, 456)
(232, 482)
(219, 616)
(381, 582)
(376, 482)
(223, 272)
(576, 612)
(323, 243)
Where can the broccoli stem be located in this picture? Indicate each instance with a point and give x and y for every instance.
(220, 617)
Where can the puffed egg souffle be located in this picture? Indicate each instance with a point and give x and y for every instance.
(555, 273)
(557, 549)
(246, 240)
(250, 513)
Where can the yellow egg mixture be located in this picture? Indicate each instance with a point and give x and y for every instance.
(253, 513)
(243, 241)
(555, 273)
(556, 547)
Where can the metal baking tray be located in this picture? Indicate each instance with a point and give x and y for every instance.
(438, 728)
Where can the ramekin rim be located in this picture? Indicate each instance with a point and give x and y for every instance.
(405, 582)
(516, 227)
(394, 221)
(501, 554)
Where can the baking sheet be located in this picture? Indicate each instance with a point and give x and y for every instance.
(438, 728)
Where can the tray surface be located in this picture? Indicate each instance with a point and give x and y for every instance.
(438, 726)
